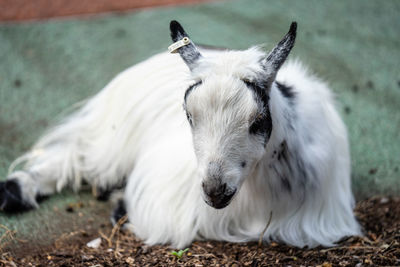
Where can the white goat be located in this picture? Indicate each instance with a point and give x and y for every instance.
(256, 142)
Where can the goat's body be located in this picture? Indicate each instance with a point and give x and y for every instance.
(135, 128)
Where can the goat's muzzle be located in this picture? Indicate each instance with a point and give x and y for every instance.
(217, 193)
(219, 198)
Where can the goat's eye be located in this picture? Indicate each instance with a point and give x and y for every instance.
(256, 118)
(257, 124)
(189, 117)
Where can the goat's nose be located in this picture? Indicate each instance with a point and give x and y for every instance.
(213, 190)
(218, 196)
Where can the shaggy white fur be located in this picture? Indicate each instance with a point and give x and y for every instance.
(136, 128)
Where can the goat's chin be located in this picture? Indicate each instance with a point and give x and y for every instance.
(219, 204)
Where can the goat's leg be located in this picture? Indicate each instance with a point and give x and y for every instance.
(11, 198)
(77, 149)
(119, 211)
(47, 171)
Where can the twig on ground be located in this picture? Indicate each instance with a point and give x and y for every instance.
(116, 228)
(265, 229)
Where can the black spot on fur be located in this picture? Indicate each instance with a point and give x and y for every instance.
(283, 154)
(119, 212)
(286, 184)
(286, 91)
(243, 164)
(292, 171)
(11, 198)
(285, 160)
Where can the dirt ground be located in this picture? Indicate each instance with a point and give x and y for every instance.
(380, 217)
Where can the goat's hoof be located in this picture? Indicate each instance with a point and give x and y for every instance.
(102, 194)
(11, 198)
(118, 213)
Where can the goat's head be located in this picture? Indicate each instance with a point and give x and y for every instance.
(228, 110)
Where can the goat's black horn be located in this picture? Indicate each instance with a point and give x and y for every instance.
(281, 51)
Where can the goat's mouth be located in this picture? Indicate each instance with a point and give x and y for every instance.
(219, 201)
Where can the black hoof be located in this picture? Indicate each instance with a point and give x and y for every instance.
(103, 194)
(118, 212)
(11, 198)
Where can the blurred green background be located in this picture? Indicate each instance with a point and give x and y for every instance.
(47, 66)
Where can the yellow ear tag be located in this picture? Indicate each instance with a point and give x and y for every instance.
(175, 46)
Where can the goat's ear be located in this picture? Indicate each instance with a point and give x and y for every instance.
(188, 52)
(278, 55)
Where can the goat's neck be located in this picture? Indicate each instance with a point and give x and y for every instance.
(283, 117)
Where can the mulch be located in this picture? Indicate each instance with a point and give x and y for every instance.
(380, 217)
